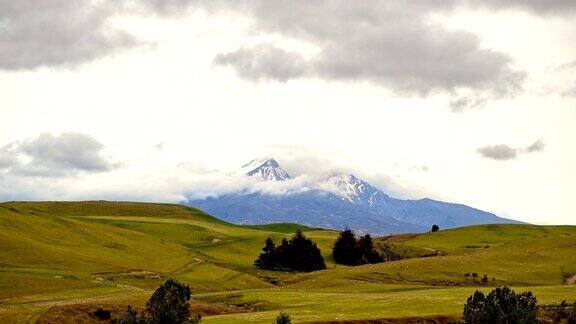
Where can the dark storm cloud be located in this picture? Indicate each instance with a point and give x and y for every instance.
(54, 156)
(37, 33)
(504, 152)
(393, 44)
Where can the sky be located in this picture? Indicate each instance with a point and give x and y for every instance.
(458, 100)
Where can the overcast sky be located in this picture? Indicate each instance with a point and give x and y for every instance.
(458, 100)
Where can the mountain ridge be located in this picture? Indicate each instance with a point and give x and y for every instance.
(337, 200)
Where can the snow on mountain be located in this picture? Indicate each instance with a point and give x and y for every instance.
(265, 169)
(352, 189)
(337, 200)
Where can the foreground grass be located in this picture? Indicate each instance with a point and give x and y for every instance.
(54, 254)
(320, 306)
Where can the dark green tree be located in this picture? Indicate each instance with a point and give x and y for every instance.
(501, 306)
(169, 304)
(299, 253)
(367, 252)
(302, 254)
(266, 260)
(435, 228)
(345, 248)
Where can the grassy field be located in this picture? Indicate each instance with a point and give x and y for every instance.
(62, 259)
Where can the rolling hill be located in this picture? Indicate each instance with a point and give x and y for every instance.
(61, 260)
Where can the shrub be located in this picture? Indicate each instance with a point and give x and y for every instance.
(300, 254)
(102, 314)
(435, 228)
(501, 306)
(283, 318)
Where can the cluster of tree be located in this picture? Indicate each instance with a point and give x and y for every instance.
(348, 250)
(299, 253)
(167, 305)
(501, 306)
(474, 278)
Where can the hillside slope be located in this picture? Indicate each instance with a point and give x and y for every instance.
(70, 257)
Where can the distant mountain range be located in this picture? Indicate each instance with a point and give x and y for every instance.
(336, 201)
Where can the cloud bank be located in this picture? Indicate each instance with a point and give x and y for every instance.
(57, 33)
(392, 44)
(54, 156)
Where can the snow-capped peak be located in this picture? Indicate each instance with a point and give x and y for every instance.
(266, 169)
(352, 189)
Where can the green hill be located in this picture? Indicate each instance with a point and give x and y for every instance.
(60, 257)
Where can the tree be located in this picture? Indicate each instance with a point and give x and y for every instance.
(299, 253)
(302, 254)
(501, 306)
(169, 304)
(367, 252)
(345, 248)
(266, 258)
(435, 228)
(283, 318)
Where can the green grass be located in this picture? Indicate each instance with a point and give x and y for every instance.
(57, 253)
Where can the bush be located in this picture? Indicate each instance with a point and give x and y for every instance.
(283, 318)
(300, 254)
(167, 305)
(435, 228)
(501, 306)
(347, 250)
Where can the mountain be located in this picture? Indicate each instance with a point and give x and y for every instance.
(268, 170)
(337, 201)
